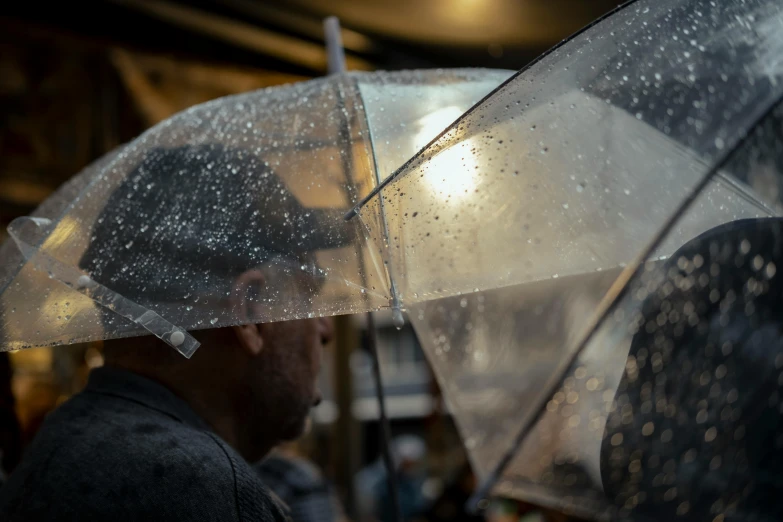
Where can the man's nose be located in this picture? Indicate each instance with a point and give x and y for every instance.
(327, 329)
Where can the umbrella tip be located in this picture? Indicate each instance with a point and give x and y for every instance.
(351, 214)
(397, 318)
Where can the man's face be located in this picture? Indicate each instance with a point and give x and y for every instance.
(285, 382)
(282, 377)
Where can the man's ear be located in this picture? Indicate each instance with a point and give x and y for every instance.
(246, 290)
(249, 336)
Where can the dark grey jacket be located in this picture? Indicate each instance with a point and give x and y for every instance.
(126, 448)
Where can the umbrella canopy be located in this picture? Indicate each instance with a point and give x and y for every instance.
(160, 231)
(589, 171)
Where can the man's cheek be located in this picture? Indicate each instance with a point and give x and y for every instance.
(317, 365)
(319, 355)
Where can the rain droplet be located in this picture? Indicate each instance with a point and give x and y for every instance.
(213, 321)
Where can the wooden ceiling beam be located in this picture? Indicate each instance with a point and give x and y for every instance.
(307, 25)
(287, 48)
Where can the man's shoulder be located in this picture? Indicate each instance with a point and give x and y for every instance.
(100, 429)
(108, 455)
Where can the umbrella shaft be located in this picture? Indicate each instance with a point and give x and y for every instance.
(391, 476)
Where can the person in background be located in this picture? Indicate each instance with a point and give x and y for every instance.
(451, 504)
(301, 485)
(408, 453)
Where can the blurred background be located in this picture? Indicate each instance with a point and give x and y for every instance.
(78, 79)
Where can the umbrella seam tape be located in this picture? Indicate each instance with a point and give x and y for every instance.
(75, 279)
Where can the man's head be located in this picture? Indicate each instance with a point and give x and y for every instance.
(695, 431)
(409, 452)
(210, 235)
(255, 383)
(282, 378)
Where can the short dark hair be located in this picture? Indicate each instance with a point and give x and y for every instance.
(186, 221)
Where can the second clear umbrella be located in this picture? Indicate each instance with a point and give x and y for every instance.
(588, 170)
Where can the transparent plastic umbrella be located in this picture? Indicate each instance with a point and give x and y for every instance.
(155, 237)
(581, 180)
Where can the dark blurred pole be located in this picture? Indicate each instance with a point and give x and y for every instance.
(391, 469)
(434, 425)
